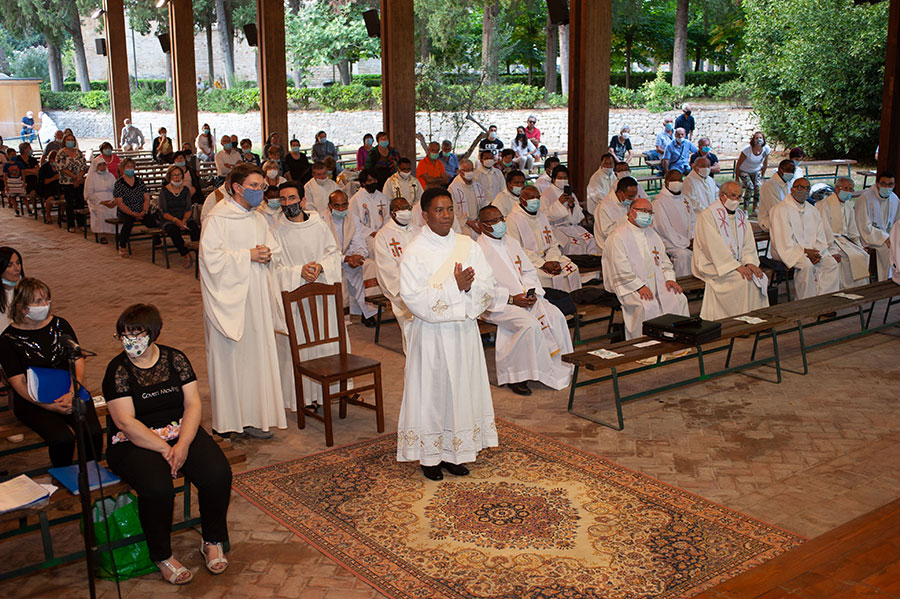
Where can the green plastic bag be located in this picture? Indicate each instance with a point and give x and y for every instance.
(116, 519)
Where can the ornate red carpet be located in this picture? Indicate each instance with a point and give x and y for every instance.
(535, 519)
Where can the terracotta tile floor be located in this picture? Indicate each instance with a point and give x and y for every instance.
(807, 455)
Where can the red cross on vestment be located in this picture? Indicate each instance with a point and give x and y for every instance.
(569, 268)
(396, 249)
(548, 235)
(655, 253)
(518, 263)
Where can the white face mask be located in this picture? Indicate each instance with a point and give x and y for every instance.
(489, 163)
(623, 174)
(135, 347)
(731, 204)
(561, 183)
(37, 313)
(177, 184)
(404, 217)
(606, 171)
(675, 186)
(404, 175)
(272, 173)
(468, 175)
(703, 172)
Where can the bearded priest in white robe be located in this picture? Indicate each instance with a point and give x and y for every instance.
(468, 198)
(602, 182)
(317, 189)
(390, 242)
(837, 216)
(351, 241)
(532, 334)
(239, 309)
(799, 240)
(447, 415)
(674, 220)
(565, 216)
(699, 187)
(403, 184)
(726, 259)
(876, 210)
(637, 270)
(309, 254)
(530, 227)
(613, 209)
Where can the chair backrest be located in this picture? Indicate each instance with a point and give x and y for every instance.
(316, 330)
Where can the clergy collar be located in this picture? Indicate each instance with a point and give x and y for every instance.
(233, 201)
(398, 225)
(448, 239)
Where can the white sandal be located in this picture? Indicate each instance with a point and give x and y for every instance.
(175, 573)
(216, 565)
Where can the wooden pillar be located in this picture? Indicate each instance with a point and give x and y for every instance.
(117, 65)
(590, 30)
(184, 71)
(272, 68)
(398, 75)
(889, 147)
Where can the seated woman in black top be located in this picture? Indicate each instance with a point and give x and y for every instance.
(133, 201)
(154, 401)
(48, 182)
(36, 338)
(175, 207)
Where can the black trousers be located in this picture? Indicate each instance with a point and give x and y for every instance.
(151, 477)
(74, 201)
(58, 430)
(177, 235)
(128, 224)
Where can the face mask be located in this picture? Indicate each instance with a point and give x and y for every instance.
(135, 346)
(434, 155)
(227, 146)
(670, 127)
(844, 195)
(679, 140)
(706, 149)
(129, 172)
(703, 172)
(498, 230)
(102, 171)
(404, 175)
(643, 219)
(627, 204)
(623, 174)
(107, 152)
(561, 183)
(384, 143)
(516, 191)
(205, 130)
(322, 181)
(758, 141)
(338, 214)
(533, 205)
(675, 186)
(291, 210)
(626, 136)
(371, 187)
(186, 153)
(274, 204)
(272, 173)
(492, 135)
(489, 163)
(368, 142)
(731, 205)
(801, 195)
(295, 149)
(37, 313)
(884, 192)
(9, 283)
(468, 175)
(254, 197)
(181, 164)
(786, 177)
(70, 144)
(404, 217)
(606, 171)
(323, 139)
(687, 112)
(177, 184)
(329, 173)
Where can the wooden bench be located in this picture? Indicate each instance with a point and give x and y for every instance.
(865, 176)
(837, 163)
(157, 236)
(384, 304)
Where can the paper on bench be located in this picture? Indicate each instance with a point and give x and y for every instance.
(762, 283)
(647, 343)
(605, 354)
(20, 492)
(750, 319)
(849, 296)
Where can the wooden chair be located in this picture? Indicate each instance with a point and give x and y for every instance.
(327, 370)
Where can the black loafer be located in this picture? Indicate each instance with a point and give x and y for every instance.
(433, 472)
(454, 469)
(369, 322)
(519, 388)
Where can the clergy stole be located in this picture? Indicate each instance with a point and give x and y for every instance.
(569, 278)
(647, 265)
(457, 256)
(370, 278)
(881, 213)
(733, 231)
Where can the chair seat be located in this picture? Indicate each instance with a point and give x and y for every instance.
(329, 366)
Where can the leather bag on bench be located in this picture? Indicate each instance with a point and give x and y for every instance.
(681, 329)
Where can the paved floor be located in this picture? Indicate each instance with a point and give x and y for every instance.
(806, 455)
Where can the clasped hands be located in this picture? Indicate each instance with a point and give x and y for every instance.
(645, 293)
(748, 271)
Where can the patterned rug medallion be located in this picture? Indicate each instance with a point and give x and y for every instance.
(534, 519)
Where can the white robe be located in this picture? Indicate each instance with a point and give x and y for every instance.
(701, 192)
(389, 244)
(534, 234)
(598, 187)
(840, 227)
(609, 213)
(409, 189)
(574, 238)
(351, 240)
(635, 258)
(491, 180)
(543, 182)
(316, 194)
(895, 252)
(504, 201)
(771, 192)
(447, 413)
(874, 218)
(796, 227)
(302, 243)
(468, 199)
(98, 187)
(370, 210)
(722, 243)
(214, 197)
(240, 311)
(530, 342)
(270, 214)
(674, 220)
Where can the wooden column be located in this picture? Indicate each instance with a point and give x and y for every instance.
(272, 68)
(398, 75)
(590, 30)
(117, 65)
(889, 150)
(184, 71)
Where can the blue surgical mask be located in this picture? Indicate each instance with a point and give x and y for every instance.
(70, 144)
(274, 204)
(643, 219)
(706, 149)
(107, 152)
(384, 143)
(339, 214)
(670, 127)
(227, 146)
(844, 195)
(627, 204)
(498, 230)
(434, 155)
(9, 283)
(254, 197)
(129, 172)
(884, 192)
(516, 191)
(533, 205)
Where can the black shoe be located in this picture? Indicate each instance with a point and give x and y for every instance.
(455, 469)
(519, 388)
(433, 472)
(369, 322)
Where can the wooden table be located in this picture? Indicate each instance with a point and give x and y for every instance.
(837, 163)
(866, 175)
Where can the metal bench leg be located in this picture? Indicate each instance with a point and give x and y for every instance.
(572, 389)
(728, 355)
(802, 347)
(777, 355)
(378, 324)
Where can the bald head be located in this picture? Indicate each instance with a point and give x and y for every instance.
(730, 189)
(637, 206)
(701, 163)
(337, 200)
(801, 183)
(400, 204)
(530, 192)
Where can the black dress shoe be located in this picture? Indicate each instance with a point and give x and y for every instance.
(455, 469)
(433, 472)
(519, 388)
(369, 322)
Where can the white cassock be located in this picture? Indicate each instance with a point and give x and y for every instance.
(635, 258)
(351, 242)
(722, 243)
(598, 188)
(543, 182)
(504, 201)
(316, 193)
(370, 211)
(491, 180)
(408, 188)
(609, 213)
(240, 312)
(796, 227)
(895, 252)
(565, 221)
(468, 199)
(302, 243)
(534, 234)
(841, 229)
(530, 342)
(269, 213)
(98, 187)
(215, 196)
(674, 220)
(771, 192)
(701, 192)
(874, 218)
(446, 414)
(389, 245)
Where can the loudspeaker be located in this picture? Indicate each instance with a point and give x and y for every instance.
(250, 34)
(100, 45)
(373, 24)
(558, 10)
(164, 42)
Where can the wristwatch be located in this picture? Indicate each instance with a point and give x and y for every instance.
(509, 301)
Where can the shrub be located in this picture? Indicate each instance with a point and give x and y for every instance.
(517, 95)
(345, 97)
(30, 63)
(622, 97)
(60, 100)
(736, 91)
(660, 95)
(144, 99)
(95, 100)
(299, 97)
(557, 101)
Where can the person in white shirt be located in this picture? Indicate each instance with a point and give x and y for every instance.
(840, 227)
(532, 334)
(601, 183)
(530, 227)
(525, 151)
(227, 159)
(546, 180)
(390, 241)
(317, 189)
(774, 190)
(750, 168)
(563, 210)
(699, 187)
(674, 221)
(271, 207)
(799, 241)
(876, 211)
(351, 240)
(488, 176)
(637, 269)
(468, 198)
(726, 259)
(403, 183)
(895, 252)
(369, 207)
(613, 209)
(509, 196)
(623, 170)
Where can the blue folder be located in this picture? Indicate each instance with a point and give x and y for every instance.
(46, 385)
(67, 476)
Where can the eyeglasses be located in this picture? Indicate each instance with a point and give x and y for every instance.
(493, 221)
(130, 335)
(733, 196)
(263, 186)
(803, 187)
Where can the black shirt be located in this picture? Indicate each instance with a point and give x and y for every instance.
(48, 189)
(132, 195)
(21, 349)
(618, 147)
(685, 122)
(494, 145)
(712, 158)
(297, 169)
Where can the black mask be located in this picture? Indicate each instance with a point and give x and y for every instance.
(292, 210)
(371, 187)
(687, 112)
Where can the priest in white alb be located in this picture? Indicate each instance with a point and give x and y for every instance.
(351, 241)
(394, 236)
(490, 178)
(532, 334)
(468, 198)
(637, 270)
(674, 220)
(726, 259)
(369, 207)
(876, 211)
(563, 210)
(895, 252)
(447, 415)
(699, 187)
(602, 182)
(545, 180)
(840, 227)
(403, 183)
(774, 190)
(317, 189)
(239, 310)
(509, 195)
(613, 209)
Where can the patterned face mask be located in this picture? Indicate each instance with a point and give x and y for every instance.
(135, 346)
